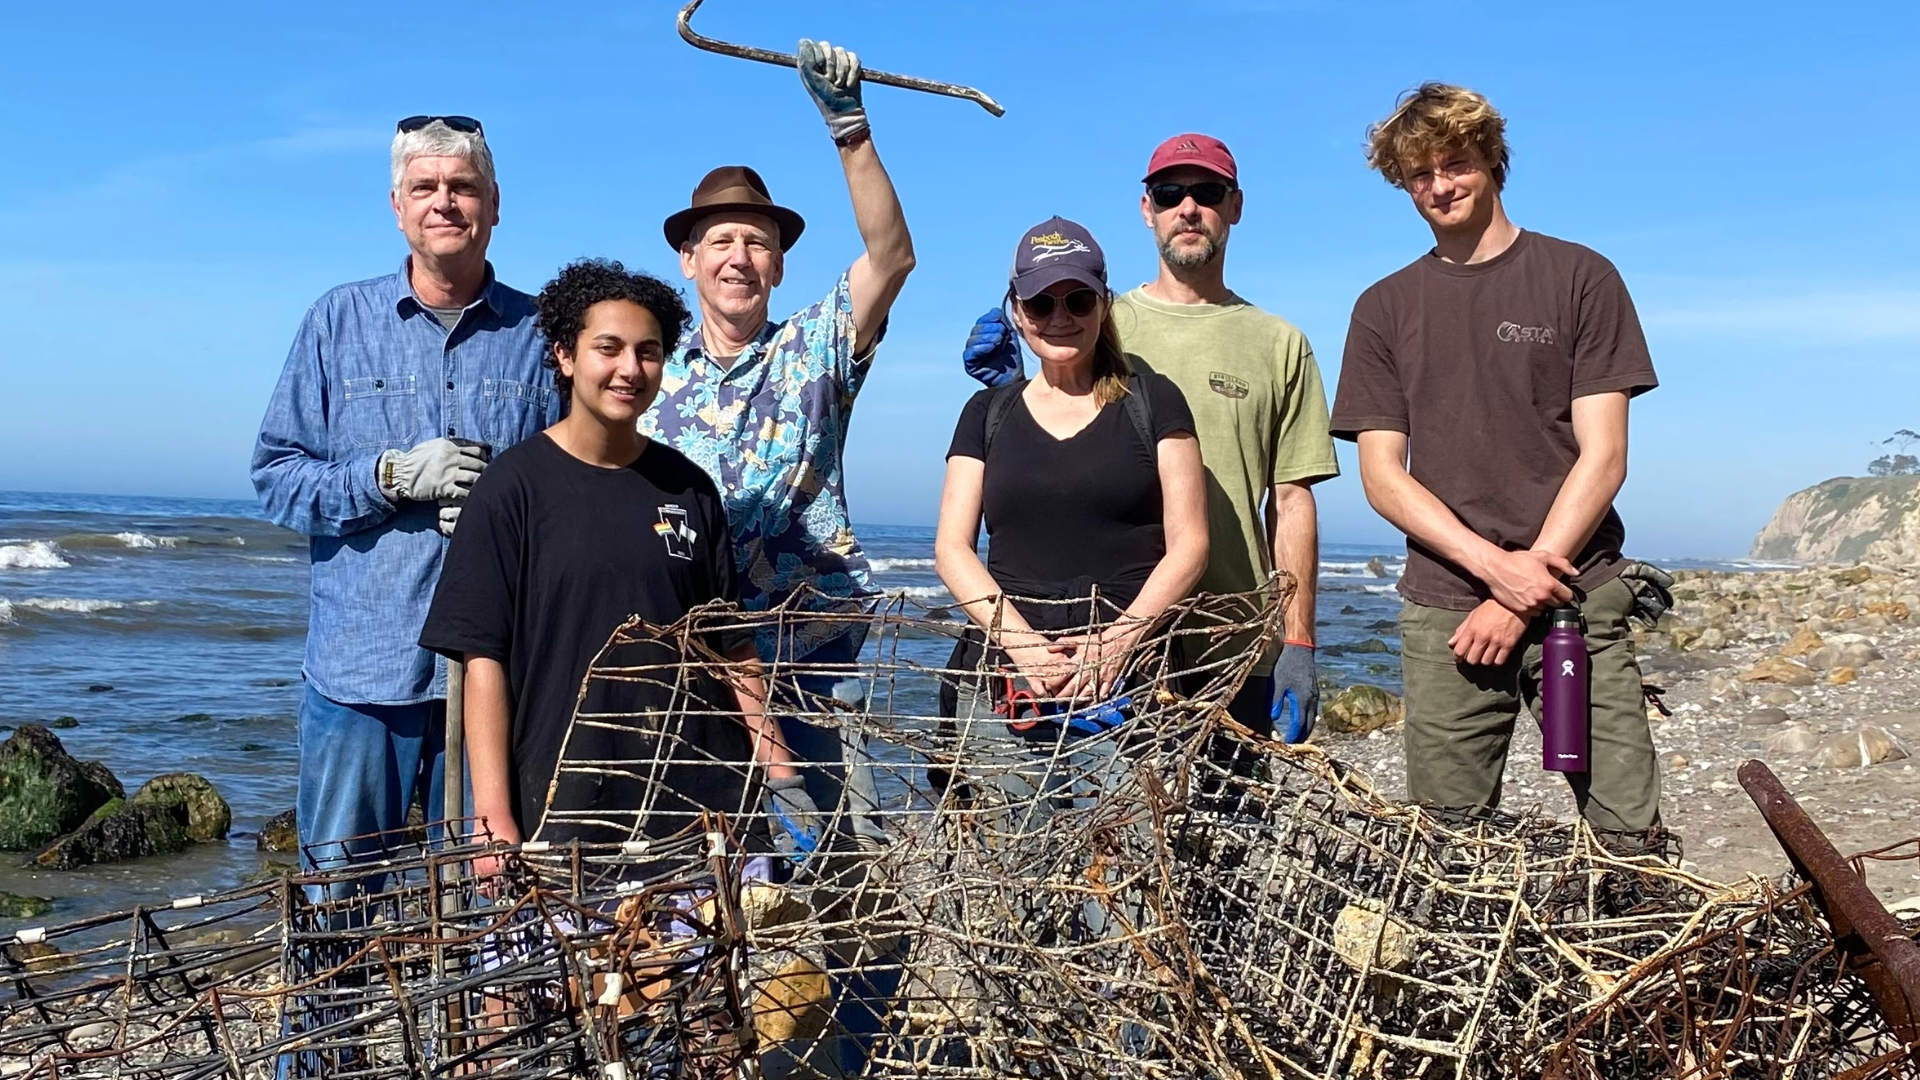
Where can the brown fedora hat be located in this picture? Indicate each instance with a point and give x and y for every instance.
(733, 188)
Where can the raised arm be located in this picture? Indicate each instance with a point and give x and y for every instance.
(302, 486)
(832, 76)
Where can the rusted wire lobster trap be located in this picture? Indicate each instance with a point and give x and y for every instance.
(1127, 887)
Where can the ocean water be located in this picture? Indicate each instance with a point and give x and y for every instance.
(172, 630)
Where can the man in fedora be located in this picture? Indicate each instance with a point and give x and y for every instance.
(763, 407)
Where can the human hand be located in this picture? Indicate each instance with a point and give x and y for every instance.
(796, 823)
(449, 515)
(435, 469)
(1100, 660)
(490, 869)
(1488, 635)
(1044, 666)
(832, 76)
(1528, 582)
(992, 352)
(1296, 692)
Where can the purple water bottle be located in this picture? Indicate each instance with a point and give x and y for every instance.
(1563, 694)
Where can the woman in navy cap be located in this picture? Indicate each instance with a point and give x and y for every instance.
(1089, 481)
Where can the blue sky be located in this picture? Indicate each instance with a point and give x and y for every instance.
(183, 180)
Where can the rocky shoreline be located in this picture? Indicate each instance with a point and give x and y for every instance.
(1809, 670)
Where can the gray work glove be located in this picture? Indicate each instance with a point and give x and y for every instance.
(449, 516)
(1652, 590)
(436, 469)
(793, 818)
(832, 76)
(1296, 693)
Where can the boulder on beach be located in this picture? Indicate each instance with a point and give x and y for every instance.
(1360, 709)
(169, 813)
(280, 834)
(16, 906)
(192, 799)
(114, 833)
(1804, 641)
(1870, 744)
(1777, 669)
(44, 791)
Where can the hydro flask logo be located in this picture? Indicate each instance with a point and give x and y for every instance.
(1566, 669)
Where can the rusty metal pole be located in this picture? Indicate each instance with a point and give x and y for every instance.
(1871, 941)
(788, 60)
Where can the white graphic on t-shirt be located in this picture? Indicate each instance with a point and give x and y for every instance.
(1525, 335)
(675, 533)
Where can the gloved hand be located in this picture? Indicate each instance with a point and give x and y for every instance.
(1296, 693)
(992, 354)
(436, 469)
(795, 821)
(449, 516)
(832, 76)
(1652, 590)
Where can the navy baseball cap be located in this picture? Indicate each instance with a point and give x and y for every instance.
(1053, 251)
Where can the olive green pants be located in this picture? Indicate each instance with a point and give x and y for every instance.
(1460, 717)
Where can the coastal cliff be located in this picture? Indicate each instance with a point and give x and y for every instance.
(1846, 519)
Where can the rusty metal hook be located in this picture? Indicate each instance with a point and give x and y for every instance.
(767, 56)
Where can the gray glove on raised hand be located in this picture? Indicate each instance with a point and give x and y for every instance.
(436, 469)
(832, 76)
(794, 818)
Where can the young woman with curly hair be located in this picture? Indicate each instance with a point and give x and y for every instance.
(564, 538)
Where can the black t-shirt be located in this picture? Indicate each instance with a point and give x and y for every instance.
(551, 556)
(1064, 515)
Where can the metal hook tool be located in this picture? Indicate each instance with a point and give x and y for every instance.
(767, 56)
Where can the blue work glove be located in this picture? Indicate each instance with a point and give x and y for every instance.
(793, 818)
(1296, 693)
(832, 76)
(992, 354)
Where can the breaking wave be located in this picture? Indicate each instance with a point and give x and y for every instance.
(32, 555)
(921, 592)
(882, 566)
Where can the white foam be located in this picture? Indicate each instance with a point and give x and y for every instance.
(922, 592)
(68, 604)
(1359, 569)
(32, 555)
(881, 566)
(6, 612)
(270, 558)
(1382, 590)
(142, 540)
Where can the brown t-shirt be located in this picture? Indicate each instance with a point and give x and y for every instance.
(1479, 365)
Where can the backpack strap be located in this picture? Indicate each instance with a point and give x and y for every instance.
(998, 406)
(1140, 411)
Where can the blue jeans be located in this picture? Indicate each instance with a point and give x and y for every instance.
(360, 767)
(840, 779)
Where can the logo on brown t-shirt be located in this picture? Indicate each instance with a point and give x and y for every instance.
(1227, 385)
(1525, 335)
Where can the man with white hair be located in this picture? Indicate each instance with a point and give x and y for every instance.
(395, 394)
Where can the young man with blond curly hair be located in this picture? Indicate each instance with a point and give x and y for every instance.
(1487, 385)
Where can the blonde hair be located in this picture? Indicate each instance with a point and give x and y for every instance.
(1432, 119)
(1111, 368)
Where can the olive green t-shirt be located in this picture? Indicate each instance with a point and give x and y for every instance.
(1259, 413)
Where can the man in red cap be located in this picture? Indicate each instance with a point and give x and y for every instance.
(1258, 407)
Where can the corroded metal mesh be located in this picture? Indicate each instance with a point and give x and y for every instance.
(1170, 897)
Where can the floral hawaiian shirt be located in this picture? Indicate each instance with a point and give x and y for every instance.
(772, 431)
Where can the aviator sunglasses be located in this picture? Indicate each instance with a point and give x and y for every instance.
(466, 125)
(1206, 193)
(1079, 304)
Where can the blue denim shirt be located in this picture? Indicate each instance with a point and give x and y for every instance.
(373, 370)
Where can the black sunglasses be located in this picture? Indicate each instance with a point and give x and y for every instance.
(1079, 304)
(466, 125)
(1206, 193)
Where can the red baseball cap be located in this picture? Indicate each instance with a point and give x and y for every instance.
(1203, 151)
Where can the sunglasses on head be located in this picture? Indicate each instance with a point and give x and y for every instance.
(1206, 193)
(1079, 304)
(466, 125)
